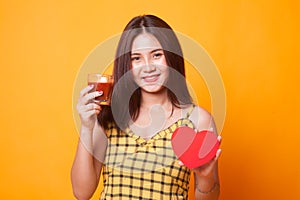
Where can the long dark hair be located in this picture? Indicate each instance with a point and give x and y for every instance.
(124, 84)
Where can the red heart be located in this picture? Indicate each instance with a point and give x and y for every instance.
(194, 149)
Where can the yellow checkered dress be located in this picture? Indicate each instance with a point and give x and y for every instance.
(136, 168)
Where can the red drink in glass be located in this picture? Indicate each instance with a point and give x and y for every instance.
(101, 83)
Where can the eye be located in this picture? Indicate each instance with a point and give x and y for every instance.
(135, 58)
(157, 55)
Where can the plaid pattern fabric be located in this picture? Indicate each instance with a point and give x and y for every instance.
(136, 168)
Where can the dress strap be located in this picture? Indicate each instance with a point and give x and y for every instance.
(190, 111)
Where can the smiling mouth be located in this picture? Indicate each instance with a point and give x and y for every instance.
(150, 79)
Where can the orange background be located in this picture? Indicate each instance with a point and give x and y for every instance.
(255, 45)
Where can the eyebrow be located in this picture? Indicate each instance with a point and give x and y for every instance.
(150, 51)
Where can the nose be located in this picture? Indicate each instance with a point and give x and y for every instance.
(149, 66)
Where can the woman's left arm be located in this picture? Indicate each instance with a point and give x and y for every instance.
(207, 184)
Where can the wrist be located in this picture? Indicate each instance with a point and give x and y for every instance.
(86, 136)
(205, 184)
(210, 190)
(86, 130)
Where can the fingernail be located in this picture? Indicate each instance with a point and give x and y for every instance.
(91, 86)
(100, 92)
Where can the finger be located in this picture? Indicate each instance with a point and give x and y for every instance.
(90, 96)
(219, 138)
(180, 163)
(92, 106)
(89, 107)
(85, 90)
(90, 113)
(218, 153)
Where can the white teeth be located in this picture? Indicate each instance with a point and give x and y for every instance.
(150, 78)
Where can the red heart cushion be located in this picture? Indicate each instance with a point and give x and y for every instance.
(194, 149)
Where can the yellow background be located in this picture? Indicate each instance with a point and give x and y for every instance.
(255, 45)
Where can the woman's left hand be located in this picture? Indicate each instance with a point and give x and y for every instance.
(207, 168)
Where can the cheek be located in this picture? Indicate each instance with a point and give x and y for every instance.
(162, 62)
(132, 66)
(166, 72)
(135, 72)
(164, 68)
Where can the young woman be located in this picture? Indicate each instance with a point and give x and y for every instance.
(129, 141)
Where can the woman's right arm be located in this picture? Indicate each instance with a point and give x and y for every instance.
(87, 165)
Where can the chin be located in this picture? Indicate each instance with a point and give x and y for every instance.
(153, 89)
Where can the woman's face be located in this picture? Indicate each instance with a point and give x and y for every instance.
(148, 63)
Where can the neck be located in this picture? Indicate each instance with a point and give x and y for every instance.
(159, 98)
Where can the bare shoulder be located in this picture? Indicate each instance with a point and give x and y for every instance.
(202, 119)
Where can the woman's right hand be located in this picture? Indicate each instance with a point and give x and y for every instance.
(87, 109)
